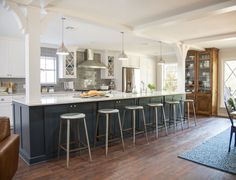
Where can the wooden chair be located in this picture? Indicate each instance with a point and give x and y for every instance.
(231, 114)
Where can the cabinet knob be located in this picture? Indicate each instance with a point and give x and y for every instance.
(2, 99)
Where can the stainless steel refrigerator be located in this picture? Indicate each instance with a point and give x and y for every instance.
(130, 79)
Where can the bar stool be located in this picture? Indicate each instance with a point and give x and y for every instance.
(133, 109)
(107, 112)
(155, 106)
(188, 102)
(68, 117)
(172, 111)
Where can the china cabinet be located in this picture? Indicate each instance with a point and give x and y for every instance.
(201, 79)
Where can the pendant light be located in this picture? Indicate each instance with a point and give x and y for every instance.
(122, 55)
(161, 60)
(62, 50)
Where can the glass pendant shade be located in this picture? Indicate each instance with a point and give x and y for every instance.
(62, 50)
(122, 56)
(161, 60)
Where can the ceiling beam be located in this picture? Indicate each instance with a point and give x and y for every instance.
(89, 18)
(226, 36)
(219, 8)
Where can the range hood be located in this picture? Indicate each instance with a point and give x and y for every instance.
(89, 62)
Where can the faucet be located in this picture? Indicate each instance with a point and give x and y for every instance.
(143, 87)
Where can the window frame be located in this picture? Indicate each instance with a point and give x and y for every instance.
(164, 73)
(222, 80)
(55, 69)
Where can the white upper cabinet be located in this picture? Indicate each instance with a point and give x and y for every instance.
(12, 58)
(67, 66)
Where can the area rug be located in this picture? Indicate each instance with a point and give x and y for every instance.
(214, 153)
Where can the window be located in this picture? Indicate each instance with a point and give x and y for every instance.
(230, 76)
(170, 77)
(48, 70)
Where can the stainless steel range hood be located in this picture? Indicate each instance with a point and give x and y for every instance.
(89, 61)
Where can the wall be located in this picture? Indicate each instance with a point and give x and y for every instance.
(224, 54)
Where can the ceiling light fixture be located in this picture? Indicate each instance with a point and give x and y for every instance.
(62, 50)
(161, 60)
(122, 55)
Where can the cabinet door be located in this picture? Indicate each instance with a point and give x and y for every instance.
(3, 58)
(16, 58)
(6, 110)
(203, 104)
(67, 66)
(109, 60)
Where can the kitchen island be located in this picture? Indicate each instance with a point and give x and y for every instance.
(37, 123)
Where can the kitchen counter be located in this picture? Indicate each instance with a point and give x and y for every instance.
(37, 123)
(67, 98)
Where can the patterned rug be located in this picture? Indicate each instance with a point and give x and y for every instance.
(214, 153)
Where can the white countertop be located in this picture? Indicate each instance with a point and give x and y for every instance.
(74, 98)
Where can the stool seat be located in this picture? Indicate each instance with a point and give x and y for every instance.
(133, 107)
(72, 116)
(188, 100)
(155, 104)
(108, 111)
(172, 102)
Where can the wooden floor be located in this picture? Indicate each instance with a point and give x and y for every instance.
(156, 160)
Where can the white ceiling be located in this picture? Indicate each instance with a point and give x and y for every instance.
(98, 23)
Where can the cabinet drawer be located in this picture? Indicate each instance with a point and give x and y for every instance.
(5, 99)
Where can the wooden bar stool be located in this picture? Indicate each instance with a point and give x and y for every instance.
(133, 110)
(172, 112)
(107, 112)
(155, 106)
(187, 102)
(68, 117)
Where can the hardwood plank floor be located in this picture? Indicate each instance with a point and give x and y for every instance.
(156, 160)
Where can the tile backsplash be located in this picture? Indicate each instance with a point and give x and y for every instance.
(86, 78)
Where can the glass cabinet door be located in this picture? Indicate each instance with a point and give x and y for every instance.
(204, 73)
(190, 72)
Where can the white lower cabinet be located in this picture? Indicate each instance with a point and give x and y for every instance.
(6, 107)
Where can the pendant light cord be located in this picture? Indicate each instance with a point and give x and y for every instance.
(122, 41)
(62, 28)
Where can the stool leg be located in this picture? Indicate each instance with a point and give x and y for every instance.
(121, 132)
(164, 117)
(194, 113)
(107, 126)
(59, 141)
(144, 122)
(96, 131)
(181, 119)
(188, 113)
(87, 139)
(156, 121)
(78, 135)
(123, 118)
(174, 114)
(68, 144)
(134, 126)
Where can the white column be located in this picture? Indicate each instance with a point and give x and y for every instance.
(32, 55)
(159, 77)
(181, 53)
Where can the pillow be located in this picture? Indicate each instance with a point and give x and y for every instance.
(232, 103)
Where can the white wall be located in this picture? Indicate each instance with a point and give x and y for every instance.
(224, 55)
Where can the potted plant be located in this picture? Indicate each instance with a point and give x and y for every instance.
(151, 87)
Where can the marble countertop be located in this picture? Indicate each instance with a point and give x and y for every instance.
(68, 98)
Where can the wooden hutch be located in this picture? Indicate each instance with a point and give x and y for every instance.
(201, 79)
